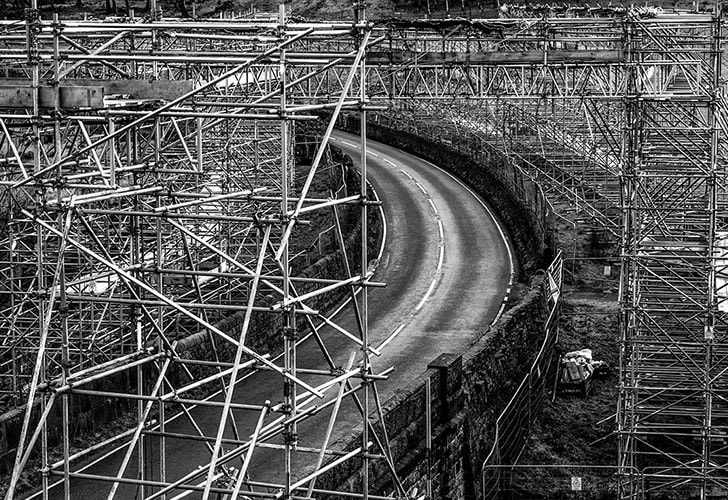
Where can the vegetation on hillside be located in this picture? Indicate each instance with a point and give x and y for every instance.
(310, 9)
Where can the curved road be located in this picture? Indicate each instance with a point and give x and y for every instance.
(447, 268)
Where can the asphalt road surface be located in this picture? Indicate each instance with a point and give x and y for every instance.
(447, 267)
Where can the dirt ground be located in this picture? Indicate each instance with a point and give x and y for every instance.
(575, 430)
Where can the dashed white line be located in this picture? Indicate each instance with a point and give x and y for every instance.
(429, 292)
(432, 204)
(391, 336)
(440, 229)
(500, 230)
(440, 260)
(441, 257)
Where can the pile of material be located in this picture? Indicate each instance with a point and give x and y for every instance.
(577, 370)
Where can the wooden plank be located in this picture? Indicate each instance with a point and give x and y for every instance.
(89, 93)
(70, 97)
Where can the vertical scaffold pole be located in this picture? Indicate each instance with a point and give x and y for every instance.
(628, 161)
(711, 299)
(360, 18)
(289, 326)
(58, 146)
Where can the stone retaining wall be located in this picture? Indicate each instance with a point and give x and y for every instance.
(468, 390)
(467, 393)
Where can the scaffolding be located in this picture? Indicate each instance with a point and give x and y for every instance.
(149, 185)
(673, 416)
(637, 147)
(148, 263)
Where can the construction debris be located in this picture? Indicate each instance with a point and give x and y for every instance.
(577, 369)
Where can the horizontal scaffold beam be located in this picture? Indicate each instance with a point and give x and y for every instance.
(512, 58)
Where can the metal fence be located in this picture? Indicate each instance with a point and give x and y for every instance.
(514, 423)
(559, 481)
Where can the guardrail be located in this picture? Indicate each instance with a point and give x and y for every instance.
(514, 423)
(568, 481)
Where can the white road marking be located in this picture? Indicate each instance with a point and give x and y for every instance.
(442, 256)
(493, 218)
(429, 292)
(391, 337)
(500, 230)
(432, 204)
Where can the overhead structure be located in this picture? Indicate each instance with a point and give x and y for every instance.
(152, 254)
(150, 189)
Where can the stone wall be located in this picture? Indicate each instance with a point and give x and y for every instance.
(467, 393)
